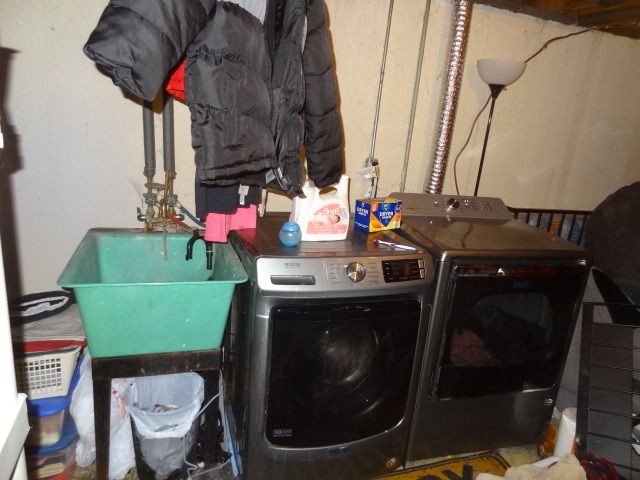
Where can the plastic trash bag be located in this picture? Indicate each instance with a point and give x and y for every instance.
(164, 409)
(121, 452)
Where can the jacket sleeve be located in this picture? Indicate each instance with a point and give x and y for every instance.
(137, 42)
(323, 126)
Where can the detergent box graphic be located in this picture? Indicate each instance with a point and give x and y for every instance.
(376, 214)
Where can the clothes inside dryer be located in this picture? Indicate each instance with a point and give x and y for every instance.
(506, 327)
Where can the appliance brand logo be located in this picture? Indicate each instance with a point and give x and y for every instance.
(282, 432)
(290, 263)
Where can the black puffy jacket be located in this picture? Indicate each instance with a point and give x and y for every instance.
(250, 116)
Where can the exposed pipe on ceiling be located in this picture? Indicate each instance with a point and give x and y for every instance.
(457, 50)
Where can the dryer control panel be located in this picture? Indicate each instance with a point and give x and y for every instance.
(452, 206)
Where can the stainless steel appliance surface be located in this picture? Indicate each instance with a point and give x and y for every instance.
(322, 353)
(503, 309)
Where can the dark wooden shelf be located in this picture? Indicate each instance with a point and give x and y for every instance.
(619, 17)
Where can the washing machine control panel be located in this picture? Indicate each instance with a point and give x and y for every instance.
(356, 272)
(339, 274)
(375, 271)
(403, 270)
(342, 273)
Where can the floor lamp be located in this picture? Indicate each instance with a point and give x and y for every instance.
(497, 73)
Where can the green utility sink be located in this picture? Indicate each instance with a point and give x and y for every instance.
(136, 299)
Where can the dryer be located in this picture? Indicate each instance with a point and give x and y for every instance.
(504, 306)
(322, 354)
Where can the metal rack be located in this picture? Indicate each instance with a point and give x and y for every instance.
(568, 224)
(609, 391)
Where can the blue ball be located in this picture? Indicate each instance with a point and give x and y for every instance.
(290, 234)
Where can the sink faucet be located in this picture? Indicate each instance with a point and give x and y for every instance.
(208, 248)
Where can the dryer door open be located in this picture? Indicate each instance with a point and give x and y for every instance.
(339, 372)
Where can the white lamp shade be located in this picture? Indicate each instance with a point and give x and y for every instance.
(500, 71)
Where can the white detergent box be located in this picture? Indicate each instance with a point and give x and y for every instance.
(377, 214)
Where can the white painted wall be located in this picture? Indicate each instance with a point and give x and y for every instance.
(564, 136)
(13, 421)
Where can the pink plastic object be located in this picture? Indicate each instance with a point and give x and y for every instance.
(218, 225)
(215, 229)
(243, 218)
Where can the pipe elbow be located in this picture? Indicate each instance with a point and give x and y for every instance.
(194, 238)
(209, 251)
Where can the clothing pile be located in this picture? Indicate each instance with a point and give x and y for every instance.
(257, 76)
(586, 467)
(567, 468)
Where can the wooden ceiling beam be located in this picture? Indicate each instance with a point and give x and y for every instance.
(619, 17)
(610, 16)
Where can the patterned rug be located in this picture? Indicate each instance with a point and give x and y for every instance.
(452, 469)
(458, 468)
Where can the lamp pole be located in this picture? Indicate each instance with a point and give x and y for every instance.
(495, 91)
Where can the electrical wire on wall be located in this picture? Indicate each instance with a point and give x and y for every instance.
(486, 103)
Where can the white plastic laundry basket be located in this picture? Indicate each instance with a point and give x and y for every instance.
(46, 374)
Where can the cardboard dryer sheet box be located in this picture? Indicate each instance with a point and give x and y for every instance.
(377, 214)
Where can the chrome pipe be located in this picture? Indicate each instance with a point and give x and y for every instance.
(376, 116)
(414, 96)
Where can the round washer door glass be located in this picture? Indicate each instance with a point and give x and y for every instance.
(339, 372)
(336, 360)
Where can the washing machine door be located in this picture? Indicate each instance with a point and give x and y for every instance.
(339, 372)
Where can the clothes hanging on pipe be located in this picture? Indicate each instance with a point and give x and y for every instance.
(175, 81)
(137, 43)
(258, 8)
(220, 207)
(225, 199)
(214, 203)
(252, 109)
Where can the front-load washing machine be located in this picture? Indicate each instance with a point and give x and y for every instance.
(321, 354)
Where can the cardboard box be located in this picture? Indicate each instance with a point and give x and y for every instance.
(377, 214)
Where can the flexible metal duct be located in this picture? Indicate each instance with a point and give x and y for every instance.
(457, 50)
